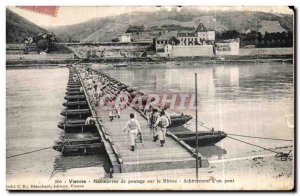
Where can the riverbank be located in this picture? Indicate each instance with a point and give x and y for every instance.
(53, 60)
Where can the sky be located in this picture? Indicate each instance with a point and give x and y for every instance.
(68, 15)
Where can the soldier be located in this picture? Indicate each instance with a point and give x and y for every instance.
(154, 115)
(163, 123)
(118, 107)
(133, 127)
(90, 120)
(111, 109)
(124, 98)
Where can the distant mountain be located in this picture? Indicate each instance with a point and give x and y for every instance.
(104, 29)
(18, 28)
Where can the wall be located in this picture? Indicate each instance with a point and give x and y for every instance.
(188, 51)
(211, 35)
(231, 48)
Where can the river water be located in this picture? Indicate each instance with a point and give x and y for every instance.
(34, 100)
(245, 99)
(248, 99)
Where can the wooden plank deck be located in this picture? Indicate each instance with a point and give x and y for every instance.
(149, 156)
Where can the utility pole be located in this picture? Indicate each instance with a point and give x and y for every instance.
(196, 99)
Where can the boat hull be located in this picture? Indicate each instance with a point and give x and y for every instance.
(204, 138)
(75, 98)
(76, 113)
(177, 121)
(76, 105)
(80, 149)
(78, 128)
(74, 93)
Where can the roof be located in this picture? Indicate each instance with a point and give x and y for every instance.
(201, 28)
(187, 34)
(167, 35)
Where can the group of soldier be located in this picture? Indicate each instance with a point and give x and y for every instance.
(97, 86)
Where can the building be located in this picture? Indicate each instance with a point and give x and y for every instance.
(201, 36)
(125, 38)
(200, 42)
(165, 39)
(228, 47)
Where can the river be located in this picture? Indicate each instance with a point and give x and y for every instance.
(245, 99)
(34, 100)
(248, 99)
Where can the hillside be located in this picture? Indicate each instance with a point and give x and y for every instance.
(18, 28)
(104, 29)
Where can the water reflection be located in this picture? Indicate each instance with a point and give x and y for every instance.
(232, 82)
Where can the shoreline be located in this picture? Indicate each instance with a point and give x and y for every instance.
(118, 63)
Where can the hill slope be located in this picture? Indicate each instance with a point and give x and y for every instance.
(104, 29)
(18, 28)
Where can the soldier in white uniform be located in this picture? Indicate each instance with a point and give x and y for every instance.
(133, 127)
(154, 115)
(162, 122)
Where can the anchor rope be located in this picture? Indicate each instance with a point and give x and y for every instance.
(266, 138)
(24, 153)
(255, 145)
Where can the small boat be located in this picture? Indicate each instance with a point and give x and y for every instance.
(179, 120)
(77, 128)
(73, 85)
(76, 105)
(73, 121)
(79, 144)
(74, 93)
(81, 113)
(205, 138)
(75, 97)
(73, 89)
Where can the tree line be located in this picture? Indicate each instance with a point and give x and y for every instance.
(257, 39)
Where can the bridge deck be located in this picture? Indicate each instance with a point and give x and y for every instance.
(148, 156)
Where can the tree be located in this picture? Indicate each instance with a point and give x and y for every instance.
(43, 44)
(174, 40)
(115, 40)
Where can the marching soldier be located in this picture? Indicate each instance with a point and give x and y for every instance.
(151, 123)
(133, 127)
(111, 109)
(162, 122)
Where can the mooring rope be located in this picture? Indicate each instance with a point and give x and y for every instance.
(28, 152)
(254, 145)
(265, 138)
